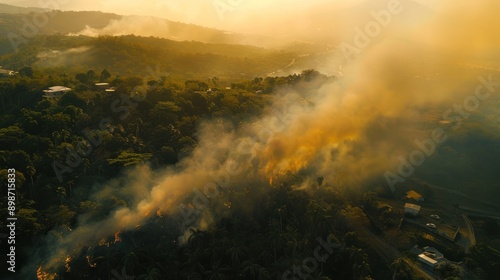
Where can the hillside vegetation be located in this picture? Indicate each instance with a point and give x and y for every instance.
(133, 55)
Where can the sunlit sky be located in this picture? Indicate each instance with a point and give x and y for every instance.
(222, 14)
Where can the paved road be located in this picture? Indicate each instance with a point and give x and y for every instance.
(472, 236)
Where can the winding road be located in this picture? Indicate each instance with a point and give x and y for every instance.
(472, 236)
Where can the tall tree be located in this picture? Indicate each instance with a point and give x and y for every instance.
(31, 172)
(105, 75)
(26, 72)
(401, 269)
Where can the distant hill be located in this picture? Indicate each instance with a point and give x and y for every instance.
(58, 23)
(93, 24)
(22, 27)
(10, 9)
(186, 49)
(134, 55)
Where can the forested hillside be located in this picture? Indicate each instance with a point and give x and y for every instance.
(9, 9)
(65, 149)
(276, 140)
(130, 55)
(15, 27)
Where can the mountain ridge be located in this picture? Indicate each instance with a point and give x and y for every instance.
(12, 9)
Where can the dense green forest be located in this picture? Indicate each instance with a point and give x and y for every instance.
(133, 55)
(156, 125)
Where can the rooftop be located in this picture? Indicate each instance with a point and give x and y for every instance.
(412, 206)
(428, 259)
(6, 72)
(414, 195)
(57, 89)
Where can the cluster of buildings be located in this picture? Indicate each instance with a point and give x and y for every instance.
(58, 91)
(105, 86)
(449, 232)
(410, 208)
(429, 256)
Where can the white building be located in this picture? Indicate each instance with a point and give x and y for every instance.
(55, 91)
(427, 260)
(6, 73)
(102, 85)
(412, 209)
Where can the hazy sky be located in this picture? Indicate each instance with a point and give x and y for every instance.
(225, 14)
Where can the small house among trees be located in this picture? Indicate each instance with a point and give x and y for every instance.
(415, 196)
(412, 209)
(6, 73)
(55, 91)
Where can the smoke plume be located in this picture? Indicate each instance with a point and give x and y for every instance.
(357, 125)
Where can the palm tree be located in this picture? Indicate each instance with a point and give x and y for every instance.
(31, 172)
(255, 270)
(71, 183)
(214, 80)
(277, 242)
(138, 123)
(361, 270)
(191, 276)
(146, 257)
(324, 224)
(318, 275)
(279, 267)
(196, 238)
(319, 220)
(152, 273)
(61, 193)
(65, 135)
(214, 250)
(217, 271)
(56, 138)
(107, 260)
(2, 95)
(357, 255)
(400, 269)
(446, 270)
(293, 242)
(237, 253)
(281, 212)
(86, 165)
(131, 262)
(194, 259)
